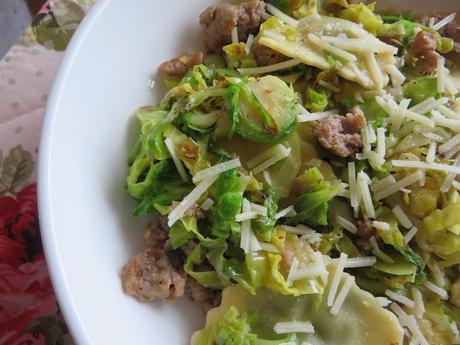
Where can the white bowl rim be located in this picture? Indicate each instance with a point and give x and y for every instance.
(48, 231)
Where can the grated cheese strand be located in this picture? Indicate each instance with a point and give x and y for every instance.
(410, 234)
(346, 224)
(332, 49)
(336, 277)
(270, 68)
(234, 35)
(431, 153)
(365, 194)
(354, 201)
(281, 15)
(407, 181)
(294, 327)
(350, 280)
(443, 22)
(436, 289)
(271, 161)
(419, 305)
(176, 160)
(378, 252)
(246, 216)
(383, 183)
(397, 297)
(381, 225)
(402, 217)
(449, 144)
(285, 212)
(263, 156)
(249, 43)
(316, 116)
(216, 170)
(383, 301)
(189, 200)
(363, 261)
(207, 204)
(424, 165)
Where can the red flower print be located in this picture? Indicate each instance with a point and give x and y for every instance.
(26, 294)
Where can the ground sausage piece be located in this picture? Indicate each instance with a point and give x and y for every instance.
(209, 298)
(155, 273)
(340, 134)
(150, 276)
(178, 66)
(218, 22)
(422, 48)
(266, 56)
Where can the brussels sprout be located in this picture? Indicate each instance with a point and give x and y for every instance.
(266, 108)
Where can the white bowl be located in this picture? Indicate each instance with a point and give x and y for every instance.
(85, 212)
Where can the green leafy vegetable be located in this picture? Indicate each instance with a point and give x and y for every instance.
(237, 56)
(362, 14)
(312, 206)
(316, 101)
(229, 198)
(421, 88)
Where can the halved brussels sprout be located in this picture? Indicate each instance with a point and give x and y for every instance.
(267, 109)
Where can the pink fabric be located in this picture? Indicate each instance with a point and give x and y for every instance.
(29, 313)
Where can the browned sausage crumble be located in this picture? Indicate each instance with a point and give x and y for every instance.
(218, 22)
(340, 134)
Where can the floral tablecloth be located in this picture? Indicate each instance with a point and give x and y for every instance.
(29, 313)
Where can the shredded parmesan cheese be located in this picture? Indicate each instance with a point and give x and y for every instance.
(443, 22)
(270, 68)
(249, 42)
(234, 35)
(441, 76)
(407, 181)
(263, 156)
(261, 210)
(363, 261)
(431, 153)
(378, 252)
(354, 201)
(383, 183)
(281, 15)
(363, 188)
(246, 216)
(350, 280)
(346, 224)
(267, 177)
(400, 298)
(374, 69)
(336, 277)
(315, 116)
(216, 170)
(207, 204)
(294, 327)
(410, 322)
(177, 162)
(273, 160)
(402, 217)
(397, 78)
(381, 147)
(450, 144)
(284, 212)
(436, 289)
(381, 225)
(418, 300)
(424, 165)
(383, 301)
(189, 200)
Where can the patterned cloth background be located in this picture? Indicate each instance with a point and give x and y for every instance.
(29, 314)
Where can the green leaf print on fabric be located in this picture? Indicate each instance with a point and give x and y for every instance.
(54, 29)
(16, 168)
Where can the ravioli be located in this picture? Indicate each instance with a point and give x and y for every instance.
(361, 320)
